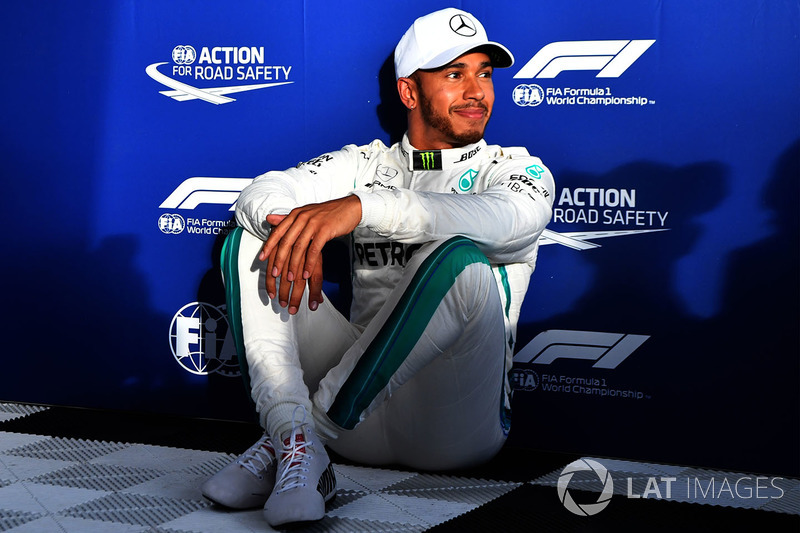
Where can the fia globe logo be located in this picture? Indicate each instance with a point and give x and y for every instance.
(585, 465)
(201, 340)
(528, 95)
(184, 55)
(171, 223)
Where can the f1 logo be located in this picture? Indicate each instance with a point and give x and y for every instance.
(611, 58)
(607, 350)
(195, 191)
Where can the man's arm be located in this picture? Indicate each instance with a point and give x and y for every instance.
(505, 220)
(323, 178)
(275, 196)
(294, 248)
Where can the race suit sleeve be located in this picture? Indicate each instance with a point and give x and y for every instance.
(505, 220)
(324, 178)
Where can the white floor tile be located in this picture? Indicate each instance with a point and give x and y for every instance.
(158, 457)
(428, 510)
(35, 498)
(369, 479)
(62, 524)
(218, 520)
(9, 441)
(377, 507)
(22, 468)
(178, 485)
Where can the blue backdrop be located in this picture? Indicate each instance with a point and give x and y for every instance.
(662, 320)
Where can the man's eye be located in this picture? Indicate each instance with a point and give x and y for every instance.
(453, 75)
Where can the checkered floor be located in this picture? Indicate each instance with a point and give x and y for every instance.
(62, 470)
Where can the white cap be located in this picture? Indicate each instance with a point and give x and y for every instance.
(435, 40)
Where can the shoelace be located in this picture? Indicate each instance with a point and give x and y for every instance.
(294, 457)
(258, 457)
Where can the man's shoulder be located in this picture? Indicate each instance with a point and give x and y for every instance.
(368, 151)
(511, 157)
(506, 160)
(375, 146)
(507, 152)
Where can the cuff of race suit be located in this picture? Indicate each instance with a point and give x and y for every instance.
(326, 429)
(373, 210)
(282, 416)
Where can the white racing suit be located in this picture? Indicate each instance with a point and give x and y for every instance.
(441, 261)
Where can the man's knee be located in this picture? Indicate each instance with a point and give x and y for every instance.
(458, 263)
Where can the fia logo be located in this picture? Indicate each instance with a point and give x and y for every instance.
(201, 340)
(171, 223)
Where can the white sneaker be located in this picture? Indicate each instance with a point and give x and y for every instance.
(305, 480)
(248, 481)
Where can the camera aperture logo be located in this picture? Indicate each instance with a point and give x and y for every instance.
(586, 509)
(190, 70)
(663, 482)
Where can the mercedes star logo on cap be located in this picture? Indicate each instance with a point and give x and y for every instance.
(463, 26)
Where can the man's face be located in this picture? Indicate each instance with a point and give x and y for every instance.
(456, 101)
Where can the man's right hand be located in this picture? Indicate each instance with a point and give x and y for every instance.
(294, 248)
(314, 283)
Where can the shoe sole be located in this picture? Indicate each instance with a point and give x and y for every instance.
(238, 508)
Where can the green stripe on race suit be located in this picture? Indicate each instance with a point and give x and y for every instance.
(229, 262)
(402, 330)
(506, 287)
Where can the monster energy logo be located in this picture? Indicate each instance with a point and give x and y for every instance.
(427, 160)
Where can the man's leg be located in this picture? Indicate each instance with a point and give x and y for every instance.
(424, 384)
(290, 458)
(285, 355)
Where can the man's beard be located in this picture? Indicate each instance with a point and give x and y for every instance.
(445, 126)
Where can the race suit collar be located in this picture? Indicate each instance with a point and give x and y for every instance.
(439, 159)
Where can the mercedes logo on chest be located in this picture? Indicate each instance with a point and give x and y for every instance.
(463, 26)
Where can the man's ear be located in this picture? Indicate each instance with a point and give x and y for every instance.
(407, 89)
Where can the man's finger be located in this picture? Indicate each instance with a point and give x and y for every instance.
(296, 295)
(315, 287)
(270, 279)
(289, 243)
(298, 260)
(313, 256)
(275, 234)
(284, 288)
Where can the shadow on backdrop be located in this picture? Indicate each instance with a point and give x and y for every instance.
(83, 332)
(390, 110)
(720, 392)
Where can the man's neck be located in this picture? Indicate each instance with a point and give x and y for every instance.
(439, 159)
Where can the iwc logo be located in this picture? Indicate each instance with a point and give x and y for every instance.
(201, 340)
(463, 26)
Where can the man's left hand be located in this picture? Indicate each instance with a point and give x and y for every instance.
(294, 247)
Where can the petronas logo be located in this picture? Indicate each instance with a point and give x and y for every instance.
(427, 160)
